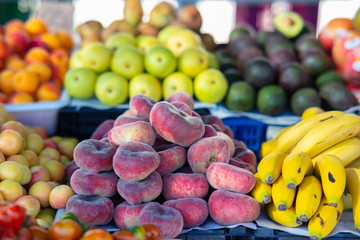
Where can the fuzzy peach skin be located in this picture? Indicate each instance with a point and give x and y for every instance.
(125, 118)
(175, 125)
(182, 106)
(229, 208)
(127, 216)
(185, 185)
(91, 210)
(140, 105)
(94, 155)
(182, 97)
(172, 158)
(142, 191)
(168, 220)
(102, 130)
(229, 177)
(193, 210)
(237, 162)
(134, 161)
(87, 183)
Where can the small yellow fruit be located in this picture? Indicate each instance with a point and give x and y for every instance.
(311, 111)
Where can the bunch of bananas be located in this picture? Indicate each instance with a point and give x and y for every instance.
(306, 171)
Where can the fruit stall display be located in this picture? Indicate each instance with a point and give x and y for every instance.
(33, 61)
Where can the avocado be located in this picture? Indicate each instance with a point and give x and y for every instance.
(271, 100)
(315, 64)
(336, 96)
(263, 35)
(242, 30)
(259, 72)
(240, 43)
(227, 63)
(307, 42)
(232, 75)
(293, 77)
(281, 57)
(304, 98)
(241, 96)
(274, 43)
(329, 76)
(246, 55)
(290, 24)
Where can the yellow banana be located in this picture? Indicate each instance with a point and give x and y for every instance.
(352, 184)
(333, 177)
(261, 191)
(286, 140)
(282, 197)
(347, 151)
(286, 218)
(266, 147)
(308, 198)
(347, 199)
(311, 111)
(294, 168)
(328, 133)
(325, 219)
(269, 168)
(355, 163)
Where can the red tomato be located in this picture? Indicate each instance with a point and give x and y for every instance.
(23, 234)
(38, 233)
(151, 231)
(123, 235)
(7, 233)
(67, 229)
(12, 215)
(97, 234)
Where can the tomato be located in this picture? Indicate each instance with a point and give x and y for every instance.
(151, 231)
(12, 215)
(66, 229)
(139, 232)
(38, 233)
(97, 234)
(23, 234)
(123, 235)
(7, 233)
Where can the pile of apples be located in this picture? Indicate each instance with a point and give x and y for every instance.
(33, 61)
(124, 64)
(341, 37)
(33, 168)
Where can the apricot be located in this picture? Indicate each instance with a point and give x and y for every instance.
(35, 26)
(30, 203)
(10, 142)
(65, 39)
(48, 91)
(6, 77)
(41, 191)
(42, 71)
(11, 190)
(25, 81)
(21, 97)
(59, 196)
(37, 54)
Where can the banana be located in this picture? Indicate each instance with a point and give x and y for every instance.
(333, 177)
(325, 219)
(269, 168)
(328, 133)
(352, 184)
(294, 168)
(266, 147)
(308, 198)
(355, 163)
(286, 218)
(347, 199)
(347, 151)
(261, 191)
(282, 197)
(286, 140)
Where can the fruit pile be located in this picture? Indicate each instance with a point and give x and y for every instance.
(273, 71)
(304, 171)
(161, 163)
(340, 37)
(33, 61)
(172, 60)
(33, 168)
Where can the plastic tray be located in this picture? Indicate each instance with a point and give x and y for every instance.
(44, 114)
(252, 132)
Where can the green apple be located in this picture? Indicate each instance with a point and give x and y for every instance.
(166, 32)
(181, 40)
(111, 89)
(145, 84)
(118, 40)
(193, 60)
(75, 60)
(146, 42)
(80, 83)
(210, 86)
(213, 61)
(159, 61)
(177, 82)
(96, 57)
(127, 61)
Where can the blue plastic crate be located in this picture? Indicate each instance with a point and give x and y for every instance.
(252, 132)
